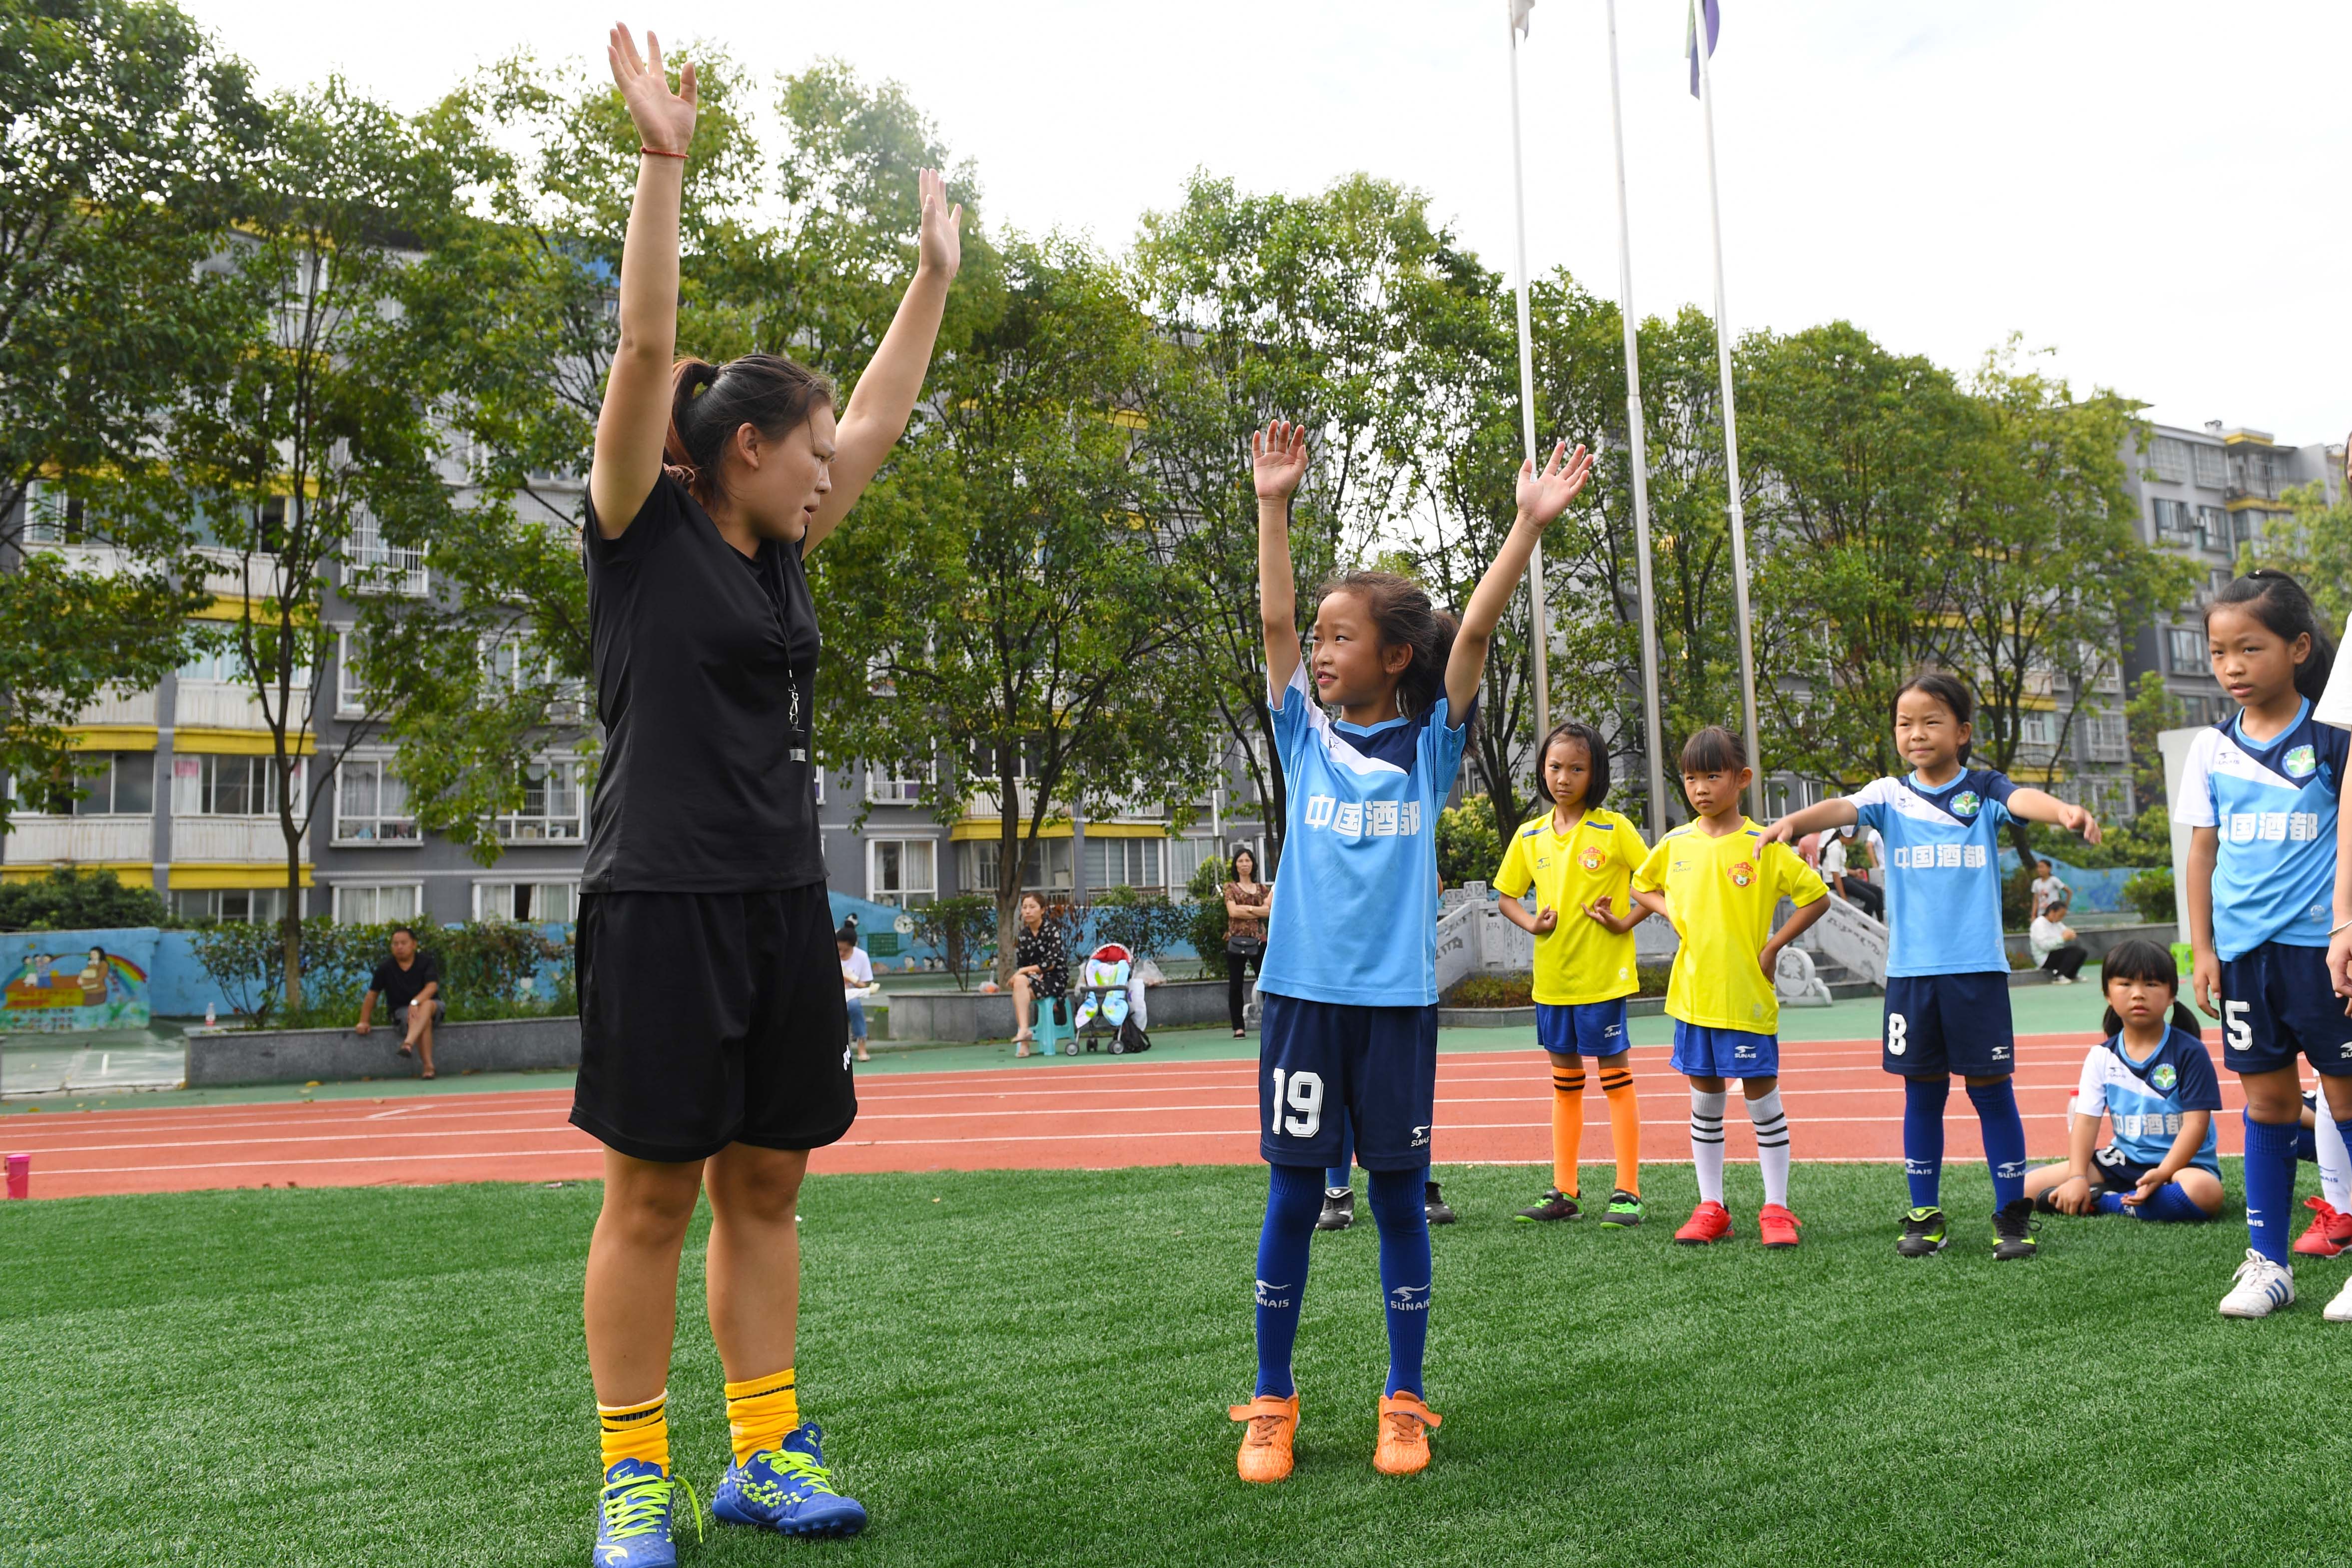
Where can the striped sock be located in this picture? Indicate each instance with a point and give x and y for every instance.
(1771, 1144)
(1707, 1144)
(760, 1413)
(639, 1431)
(1624, 1126)
(1567, 1121)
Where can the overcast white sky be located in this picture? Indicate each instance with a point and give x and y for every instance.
(2159, 190)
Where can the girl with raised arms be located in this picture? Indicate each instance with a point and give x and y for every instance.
(712, 1054)
(1350, 982)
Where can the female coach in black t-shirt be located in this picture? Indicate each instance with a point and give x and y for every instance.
(710, 1002)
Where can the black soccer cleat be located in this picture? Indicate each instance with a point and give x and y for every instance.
(1555, 1204)
(1439, 1211)
(2012, 1231)
(1923, 1234)
(1338, 1210)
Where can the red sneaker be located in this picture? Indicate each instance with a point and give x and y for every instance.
(2330, 1232)
(1709, 1222)
(1776, 1227)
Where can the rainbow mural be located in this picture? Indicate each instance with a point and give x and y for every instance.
(56, 986)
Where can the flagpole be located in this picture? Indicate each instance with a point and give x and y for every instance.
(1703, 44)
(1653, 724)
(1538, 623)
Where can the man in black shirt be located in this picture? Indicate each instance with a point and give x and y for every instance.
(406, 980)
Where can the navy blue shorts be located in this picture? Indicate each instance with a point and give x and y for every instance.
(1937, 1024)
(2277, 1004)
(1377, 1065)
(1703, 1052)
(2111, 1171)
(1584, 1028)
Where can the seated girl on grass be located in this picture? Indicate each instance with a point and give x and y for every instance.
(2153, 1082)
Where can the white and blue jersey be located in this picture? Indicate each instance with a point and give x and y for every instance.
(1355, 900)
(1943, 870)
(2273, 804)
(2146, 1100)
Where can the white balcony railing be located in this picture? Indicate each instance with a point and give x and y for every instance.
(41, 840)
(223, 705)
(231, 838)
(984, 803)
(116, 706)
(373, 566)
(235, 575)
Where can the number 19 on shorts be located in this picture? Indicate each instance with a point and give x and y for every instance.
(1297, 1103)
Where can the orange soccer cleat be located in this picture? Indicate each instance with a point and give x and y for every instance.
(1266, 1446)
(1406, 1422)
(1709, 1221)
(1776, 1227)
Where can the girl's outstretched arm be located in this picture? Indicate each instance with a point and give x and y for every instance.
(1277, 462)
(885, 399)
(1542, 496)
(634, 419)
(2039, 805)
(1835, 812)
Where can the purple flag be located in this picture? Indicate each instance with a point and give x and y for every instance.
(1714, 29)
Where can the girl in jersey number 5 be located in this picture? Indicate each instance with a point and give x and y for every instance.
(710, 1003)
(1349, 981)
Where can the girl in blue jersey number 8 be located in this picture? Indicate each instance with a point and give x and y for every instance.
(2259, 795)
(1947, 969)
(1350, 977)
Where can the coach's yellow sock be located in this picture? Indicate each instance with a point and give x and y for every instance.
(1624, 1126)
(636, 1432)
(761, 1412)
(1567, 1121)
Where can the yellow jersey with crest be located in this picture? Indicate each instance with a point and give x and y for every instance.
(1579, 959)
(1720, 893)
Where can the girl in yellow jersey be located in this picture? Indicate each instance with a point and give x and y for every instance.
(1581, 860)
(1719, 883)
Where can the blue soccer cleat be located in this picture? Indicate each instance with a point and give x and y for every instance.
(788, 1490)
(634, 1518)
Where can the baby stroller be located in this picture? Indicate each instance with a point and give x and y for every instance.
(1104, 1007)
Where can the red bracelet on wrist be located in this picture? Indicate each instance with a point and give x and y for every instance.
(660, 153)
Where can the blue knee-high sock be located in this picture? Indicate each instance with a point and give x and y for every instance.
(1292, 1201)
(1398, 1209)
(2270, 1187)
(1922, 1138)
(2169, 1204)
(2004, 1139)
(2110, 1203)
(1343, 1174)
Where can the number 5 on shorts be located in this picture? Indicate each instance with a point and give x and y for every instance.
(1305, 1099)
(2234, 1027)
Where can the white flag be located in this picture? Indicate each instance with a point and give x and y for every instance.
(1519, 9)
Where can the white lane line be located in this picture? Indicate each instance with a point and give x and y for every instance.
(306, 1164)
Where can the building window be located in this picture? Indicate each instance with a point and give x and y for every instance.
(902, 783)
(2212, 467)
(112, 784)
(229, 903)
(2169, 458)
(551, 806)
(2175, 522)
(1185, 856)
(2037, 727)
(2106, 738)
(1045, 869)
(210, 786)
(377, 567)
(351, 696)
(536, 902)
(1125, 863)
(371, 803)
(2214, 531)
(224, 664)
(902, 872)
(2189, 650)
(374, 903)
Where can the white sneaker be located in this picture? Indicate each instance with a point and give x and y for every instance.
(2261, 1289)
(2339, 1310)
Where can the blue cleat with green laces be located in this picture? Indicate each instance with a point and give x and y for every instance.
(788, 1490)
(634, 1516)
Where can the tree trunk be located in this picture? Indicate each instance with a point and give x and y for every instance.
(1008, 880)
(291, 925)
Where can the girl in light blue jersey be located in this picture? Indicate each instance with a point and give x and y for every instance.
(2259, 795)
(1349, 979)
(1947, 969)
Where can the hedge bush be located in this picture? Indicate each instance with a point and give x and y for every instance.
(66, 900)
(2151, 893)
(483, 964)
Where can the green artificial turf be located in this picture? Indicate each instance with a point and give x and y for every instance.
(1033, 1367)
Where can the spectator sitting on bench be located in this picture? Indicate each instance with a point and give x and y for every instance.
(2054, 944)
(407, 978)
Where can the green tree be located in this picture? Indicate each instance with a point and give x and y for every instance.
(1003, 621)
(125, 131)
(2314, 542)
(2150, 710)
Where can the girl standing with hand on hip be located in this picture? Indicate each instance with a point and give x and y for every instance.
(712, 1023)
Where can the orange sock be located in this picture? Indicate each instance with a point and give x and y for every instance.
(1567, 1121)
(636, 1432)
(762, 1412)
(1624, 1126)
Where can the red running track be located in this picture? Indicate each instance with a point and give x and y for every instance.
(1492, 1106)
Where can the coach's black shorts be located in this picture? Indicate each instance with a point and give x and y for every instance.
(711, 1019)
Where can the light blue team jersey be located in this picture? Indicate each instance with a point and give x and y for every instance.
(1355, 899)
(2145, 1101)
(1943, 870)
(2273, 805)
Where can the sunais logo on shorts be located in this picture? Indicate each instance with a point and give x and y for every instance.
(2165, 1075)
(2299, 761)
(1965, 803)
(1742, 873)
(1593, 857)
